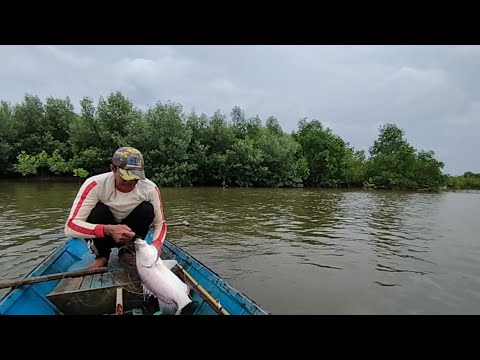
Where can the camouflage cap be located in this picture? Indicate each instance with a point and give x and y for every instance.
(130, 163)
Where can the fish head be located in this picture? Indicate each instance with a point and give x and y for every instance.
(146, 254)
(139, 243)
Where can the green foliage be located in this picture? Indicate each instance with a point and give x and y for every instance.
(166, 145)
(469, 180)
(239, 123)
(57, 164)
(30, 125)
(279, 156)
(95, 159)
(8, 131)
(80, 172)
(302, 171)
(427, 172)
(244, 164)
(187, 150)
(392, 160)
(59, 115)
(395, 164)
(42, 159)
(27, 164)
(84, 130)
(325, 152)
(114, 118)
(273, 126)
(355, 162)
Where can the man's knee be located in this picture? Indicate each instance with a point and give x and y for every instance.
(140, 218)
(100, 214)
(146, 209)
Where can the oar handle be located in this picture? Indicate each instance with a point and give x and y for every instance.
(181, 223)
(49, 277)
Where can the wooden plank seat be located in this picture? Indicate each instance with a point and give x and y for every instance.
(97, 294)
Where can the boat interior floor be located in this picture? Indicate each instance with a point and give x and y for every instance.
(97, 294)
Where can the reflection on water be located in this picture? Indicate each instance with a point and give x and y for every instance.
(295, 251)
(28, 211)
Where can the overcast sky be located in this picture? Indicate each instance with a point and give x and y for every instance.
(431, 92)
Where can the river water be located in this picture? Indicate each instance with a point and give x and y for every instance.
(294, 251)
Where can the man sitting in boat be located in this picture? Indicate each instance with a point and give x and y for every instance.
(112, 208)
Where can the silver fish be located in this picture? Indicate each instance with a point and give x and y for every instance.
(158, 280)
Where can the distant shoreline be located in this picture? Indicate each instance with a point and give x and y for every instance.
(74, 179)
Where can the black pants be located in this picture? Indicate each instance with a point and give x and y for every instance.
(139, 220)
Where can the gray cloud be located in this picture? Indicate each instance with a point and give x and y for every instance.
(432, 92)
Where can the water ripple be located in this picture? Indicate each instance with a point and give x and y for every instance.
(325, 251)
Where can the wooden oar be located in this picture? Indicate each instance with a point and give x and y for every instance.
(42, 278)
(182, 223)
(204, 294)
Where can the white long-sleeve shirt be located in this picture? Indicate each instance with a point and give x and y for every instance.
(102, 188)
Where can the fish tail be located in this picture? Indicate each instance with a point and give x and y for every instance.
(183, 305)
(168, 308)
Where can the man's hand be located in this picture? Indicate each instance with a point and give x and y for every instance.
(120, 233)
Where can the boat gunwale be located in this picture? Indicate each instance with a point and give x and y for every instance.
(225, 287)
(40, 269)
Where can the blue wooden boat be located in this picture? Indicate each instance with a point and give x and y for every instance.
(210, 293)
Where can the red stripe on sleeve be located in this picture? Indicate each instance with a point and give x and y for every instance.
(161, 201)
(74, 226)
(161, 236)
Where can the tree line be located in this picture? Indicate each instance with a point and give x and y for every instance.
(190, 149)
